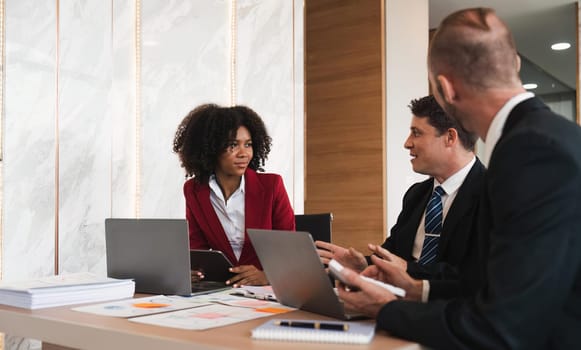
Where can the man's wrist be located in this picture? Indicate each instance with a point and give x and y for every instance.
(415, 291)
(425, 291)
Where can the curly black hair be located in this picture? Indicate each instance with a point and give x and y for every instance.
(204, 134)
(428, 107)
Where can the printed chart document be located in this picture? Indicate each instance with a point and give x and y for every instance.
(65, 289)
(224, 309)
(316, 331)
(141, 306)
(193, 313)
(210, 316)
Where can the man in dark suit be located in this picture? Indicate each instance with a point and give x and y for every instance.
(530, 214)
(443, 150)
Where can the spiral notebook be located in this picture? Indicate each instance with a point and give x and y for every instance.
(311, 331)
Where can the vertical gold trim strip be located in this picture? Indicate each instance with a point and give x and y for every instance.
(56, 143)
(112, 118)
(233, 42)
(578, 62)
(304, 91)
(383, 58)
(2, 116)
(137, 108)
(293, 107)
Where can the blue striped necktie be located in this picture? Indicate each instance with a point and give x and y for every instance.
(433, 226)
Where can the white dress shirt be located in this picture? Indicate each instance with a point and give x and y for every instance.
(230, 213)
(451, 187)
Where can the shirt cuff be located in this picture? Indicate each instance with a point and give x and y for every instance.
(425, 290)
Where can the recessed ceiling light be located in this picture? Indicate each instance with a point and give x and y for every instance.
(560, 46)
(530, 86)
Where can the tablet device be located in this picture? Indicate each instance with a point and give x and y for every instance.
(213, 263)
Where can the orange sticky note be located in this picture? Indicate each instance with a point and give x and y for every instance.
(150, 305)
(273, 310)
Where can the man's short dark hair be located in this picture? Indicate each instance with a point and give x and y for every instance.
(427, 107)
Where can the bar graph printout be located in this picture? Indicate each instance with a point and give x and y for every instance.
(141, 306)
(211, 316)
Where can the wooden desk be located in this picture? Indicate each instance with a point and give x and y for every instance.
(65, 327)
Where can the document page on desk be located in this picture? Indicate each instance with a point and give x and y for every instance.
(207, 317)
(141, 306)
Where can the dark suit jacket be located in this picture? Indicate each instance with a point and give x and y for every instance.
(530, 229)
(457, 237)
(266, 207)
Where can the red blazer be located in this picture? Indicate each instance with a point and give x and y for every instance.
(267, 207)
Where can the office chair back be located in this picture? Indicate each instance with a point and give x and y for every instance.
(318, 225)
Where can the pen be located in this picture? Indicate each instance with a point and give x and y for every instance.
(314, 325)
(249, 294)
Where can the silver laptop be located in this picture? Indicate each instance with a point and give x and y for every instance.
(154, 252)
(294, 270)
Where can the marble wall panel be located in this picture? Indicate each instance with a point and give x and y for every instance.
(265, 58)
(84, 134)
(29, 140)
(299, 107)
(185, 62)
(18, 343)
(122, 101)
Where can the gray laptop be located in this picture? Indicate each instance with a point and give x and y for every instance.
(294, 270)
(154, 252)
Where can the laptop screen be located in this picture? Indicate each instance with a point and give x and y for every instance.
(153, 252)
(294, 270)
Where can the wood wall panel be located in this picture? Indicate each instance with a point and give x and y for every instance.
(345, 128)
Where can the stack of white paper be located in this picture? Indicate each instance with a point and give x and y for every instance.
(64, 290)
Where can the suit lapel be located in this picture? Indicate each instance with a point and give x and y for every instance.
(254, 206)
(462, 205)
(202, 195)
(419, 200)
(516, 116)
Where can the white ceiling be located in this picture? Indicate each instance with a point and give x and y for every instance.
(535, 24)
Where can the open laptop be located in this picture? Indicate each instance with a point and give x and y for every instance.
(294, 270)
(154, 252)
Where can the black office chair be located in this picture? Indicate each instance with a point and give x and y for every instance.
(318, 225)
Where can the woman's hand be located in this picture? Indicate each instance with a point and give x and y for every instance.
(247, 275)
(197, 275)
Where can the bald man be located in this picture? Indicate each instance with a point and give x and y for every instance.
(529, 215)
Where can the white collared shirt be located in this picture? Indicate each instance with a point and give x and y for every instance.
(495, 130)
(450, 186)
(230, 213)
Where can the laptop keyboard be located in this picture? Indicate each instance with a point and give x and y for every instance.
(208, 286)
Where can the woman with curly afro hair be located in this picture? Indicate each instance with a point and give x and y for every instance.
(222, 149)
